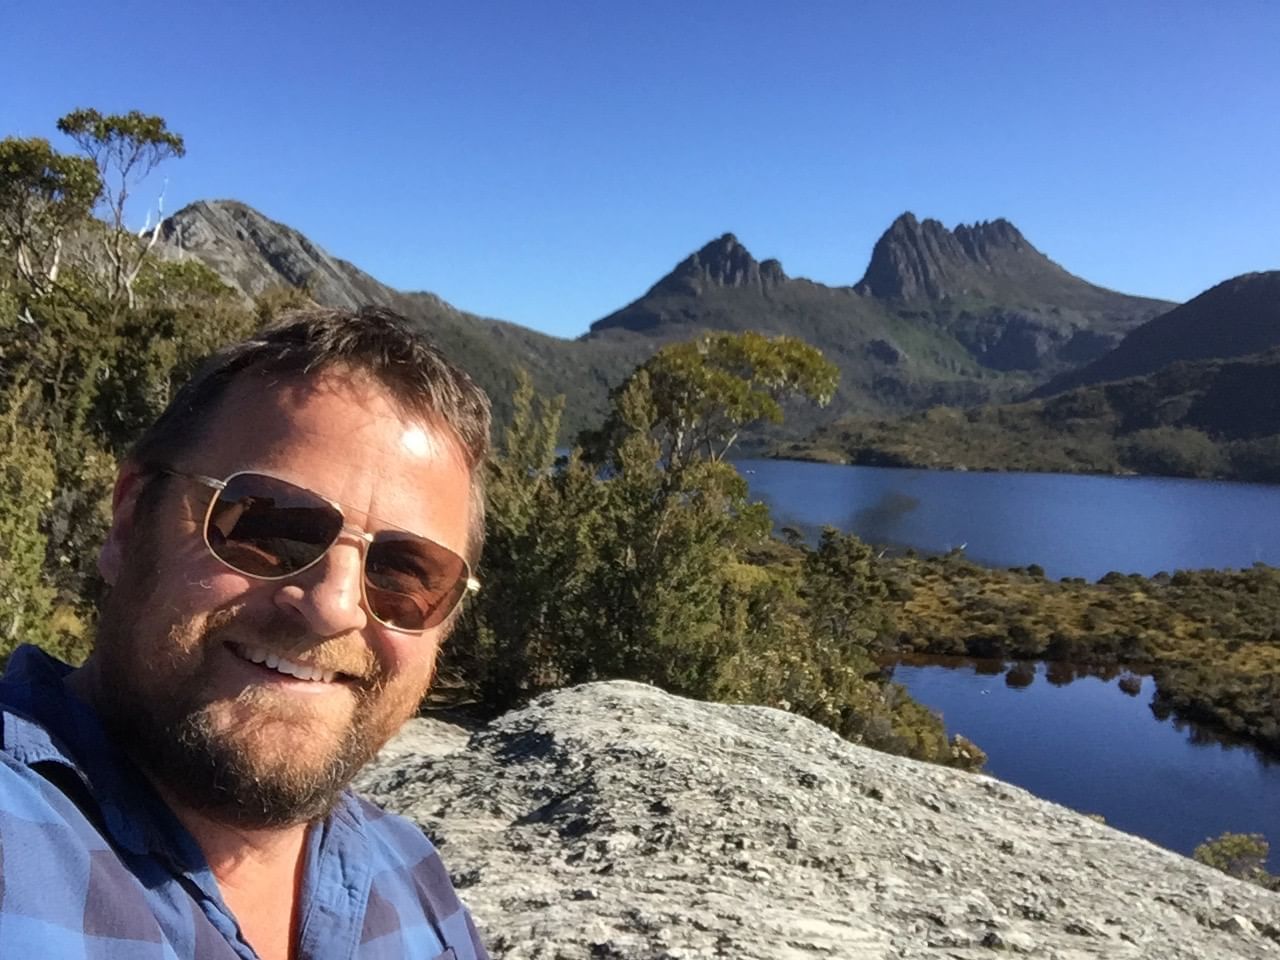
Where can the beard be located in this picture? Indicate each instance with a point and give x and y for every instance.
(260, 759)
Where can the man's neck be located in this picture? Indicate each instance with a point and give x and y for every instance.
(259, 874)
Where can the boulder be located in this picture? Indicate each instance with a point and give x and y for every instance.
(613, 820)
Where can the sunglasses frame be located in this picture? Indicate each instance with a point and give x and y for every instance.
(472, 585)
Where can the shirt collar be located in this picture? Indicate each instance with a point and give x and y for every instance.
(44, 722)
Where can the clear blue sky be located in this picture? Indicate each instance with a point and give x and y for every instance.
(545, 162)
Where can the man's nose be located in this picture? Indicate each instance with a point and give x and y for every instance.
(329, 596)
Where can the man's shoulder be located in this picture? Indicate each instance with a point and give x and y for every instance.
(28, 797)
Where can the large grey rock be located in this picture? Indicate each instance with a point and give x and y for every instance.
(615, 821)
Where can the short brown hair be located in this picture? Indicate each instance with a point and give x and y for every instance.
(389, 349)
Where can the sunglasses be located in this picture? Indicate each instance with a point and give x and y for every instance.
(271, 529)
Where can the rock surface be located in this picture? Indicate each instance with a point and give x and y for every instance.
(724, 262)
(615, 821)
(253, 253)
(922, 259)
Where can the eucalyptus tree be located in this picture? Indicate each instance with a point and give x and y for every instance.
(124, 149)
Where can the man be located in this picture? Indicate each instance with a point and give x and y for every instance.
(289, 546)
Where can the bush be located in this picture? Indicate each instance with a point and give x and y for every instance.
(1239, 855)
(1173, 451)
(629, 566)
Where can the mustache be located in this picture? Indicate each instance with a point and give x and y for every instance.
(283, 636)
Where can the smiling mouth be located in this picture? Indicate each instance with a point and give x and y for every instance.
(285, 667)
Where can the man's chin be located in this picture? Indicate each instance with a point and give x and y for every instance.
(259, 768)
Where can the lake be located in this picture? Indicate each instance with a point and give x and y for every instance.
(1073, 526)
(1094, 748)
(1085, 744)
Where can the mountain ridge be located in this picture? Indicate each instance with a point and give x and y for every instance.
(923, 260)
(253, 254)
(1235, 318)
(894, 355)
(982, 287)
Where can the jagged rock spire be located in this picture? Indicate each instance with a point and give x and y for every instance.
(724, 262)
(916, 259)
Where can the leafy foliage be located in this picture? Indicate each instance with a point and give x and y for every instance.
(43, 196)
(1239, 855)
(695, 397)
(81, 371)
(123, 148)
(643, 559)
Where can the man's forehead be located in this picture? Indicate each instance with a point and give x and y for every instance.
(348, 440)
(321, 408)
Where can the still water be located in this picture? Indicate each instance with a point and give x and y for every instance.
(1085, 744)
(1073, 526)
(1092, 747)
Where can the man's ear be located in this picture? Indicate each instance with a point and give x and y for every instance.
(130, 482)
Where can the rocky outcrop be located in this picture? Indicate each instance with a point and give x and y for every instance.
(254, 253)
(615, 821)
(916, 259)
(724, 262)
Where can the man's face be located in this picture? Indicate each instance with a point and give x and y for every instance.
(179, 633)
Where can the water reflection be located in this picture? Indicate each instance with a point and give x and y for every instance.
(880, 522)
(1099, 740)
(1073, 526)
(1130, 680)
(1020, 675)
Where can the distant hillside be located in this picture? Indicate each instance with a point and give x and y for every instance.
(255, 254)
(941, 317)
(1238, 317)
(1213, 418)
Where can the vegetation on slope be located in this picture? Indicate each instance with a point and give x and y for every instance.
(1235, 318)
(1215, 418)
(640, 557)
(1210, 636)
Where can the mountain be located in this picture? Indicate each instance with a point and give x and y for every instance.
(887, 361)
(922, 260)
(1009, 305)
(957, 317)
(977, 298)
(1238, 317)
(254, 254)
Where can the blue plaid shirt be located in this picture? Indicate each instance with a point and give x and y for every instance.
(94, 865)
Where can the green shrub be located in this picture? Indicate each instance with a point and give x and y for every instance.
(1240, 855)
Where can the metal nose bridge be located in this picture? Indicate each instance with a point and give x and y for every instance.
(353, 531)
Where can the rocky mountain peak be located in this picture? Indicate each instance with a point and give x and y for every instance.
(254, 253)
(724, 262)
(922, 259)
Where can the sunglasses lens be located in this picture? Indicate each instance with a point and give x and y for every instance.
(269, 528)
(412, 583)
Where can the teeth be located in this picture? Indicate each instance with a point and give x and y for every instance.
(288, 667)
